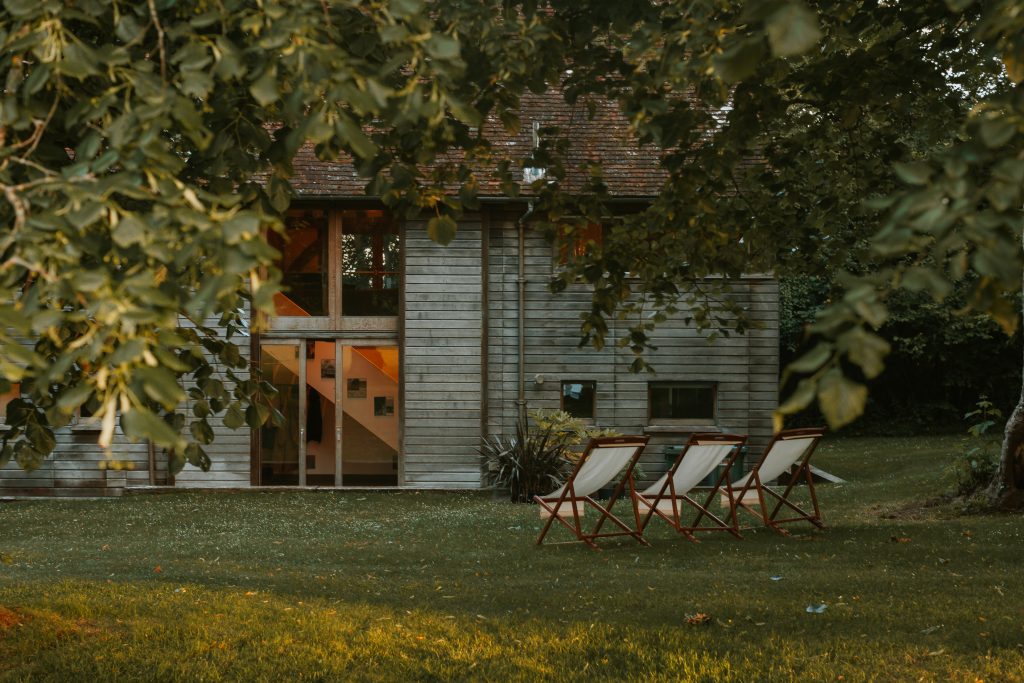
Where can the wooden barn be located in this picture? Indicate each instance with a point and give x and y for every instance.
(395, 356)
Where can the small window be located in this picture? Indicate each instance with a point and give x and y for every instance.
(578, 398)
(678, 401)
(588, 238)
(85, 416)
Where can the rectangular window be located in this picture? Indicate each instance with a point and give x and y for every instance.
(579, 398)
(340, 270)
(304, 265)
(370, 261)
(588, 238)
(677, 401)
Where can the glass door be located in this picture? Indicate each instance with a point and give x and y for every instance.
(323, 435)
(341, 414)
(370, 419)
(281, 446)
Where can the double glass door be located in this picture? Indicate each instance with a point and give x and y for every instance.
(339, 404)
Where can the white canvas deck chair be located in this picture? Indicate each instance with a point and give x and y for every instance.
(788, 453)
(670, 497)
(600, 463)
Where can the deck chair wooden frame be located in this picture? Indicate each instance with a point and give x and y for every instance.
(783, 455)
(592, 472)
(670, 497)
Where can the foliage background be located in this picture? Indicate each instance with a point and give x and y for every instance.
(940, 364)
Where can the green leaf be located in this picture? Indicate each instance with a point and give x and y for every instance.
(739, 61)
(800, 398)
(996, 132)
(265, 88)
(21, 9)
(874, 312)
(128, 231)
(234, 418)
(141, 423)
(202, 431)
(442, 229)
(913, 173)
(242, 226)
(440, 46)
(405, 9)
(792, 30)
(841, 400)
(74, 397)
(923, 279)
(175, 462)
(354, 137)
(812, 360)
(161, 386)
(256, 415)
(865, 349)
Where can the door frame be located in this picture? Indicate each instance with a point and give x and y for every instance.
(339, 341)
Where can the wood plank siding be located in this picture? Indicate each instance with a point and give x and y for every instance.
(459, 356)
(744, 368)
(441, 358)
(230, 449)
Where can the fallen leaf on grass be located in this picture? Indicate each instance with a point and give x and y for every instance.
(157, 569)
(900, 539)
(698, 619)
(8, 619)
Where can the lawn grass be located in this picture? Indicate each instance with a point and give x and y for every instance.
(439, 586)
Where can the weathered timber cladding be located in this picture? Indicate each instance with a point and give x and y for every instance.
(743, 367)
(460, 369)
(79, 467)
(229, 452)
(442, 365)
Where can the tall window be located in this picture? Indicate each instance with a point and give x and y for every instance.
(340, 269)
(369, 258)
(304, 264)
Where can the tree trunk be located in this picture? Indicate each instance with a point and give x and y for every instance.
(1007, 490)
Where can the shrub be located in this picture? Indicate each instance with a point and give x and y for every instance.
(532, 462)
(975, 469)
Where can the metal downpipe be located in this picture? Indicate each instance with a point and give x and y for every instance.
(521, 303)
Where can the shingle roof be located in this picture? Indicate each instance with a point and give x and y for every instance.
(629, 170)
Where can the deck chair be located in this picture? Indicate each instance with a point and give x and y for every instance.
(599, 464)
(787, 455)
(670, 497)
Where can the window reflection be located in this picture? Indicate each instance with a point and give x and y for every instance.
(370, 263)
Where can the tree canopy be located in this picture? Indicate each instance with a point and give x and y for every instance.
(146, 147)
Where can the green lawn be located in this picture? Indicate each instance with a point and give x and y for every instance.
(439, 586)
